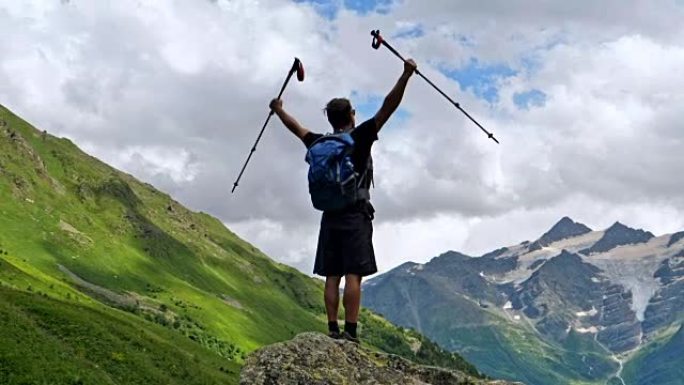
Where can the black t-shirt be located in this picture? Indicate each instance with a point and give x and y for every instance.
(364, 135)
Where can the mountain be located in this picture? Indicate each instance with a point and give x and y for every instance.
(106, 280)
(574, 306)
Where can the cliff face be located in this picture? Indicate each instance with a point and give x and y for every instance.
(315, 359)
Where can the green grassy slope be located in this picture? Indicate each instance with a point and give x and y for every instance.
(85, 244)
(659, 363)
(517, 353)
(47, 340)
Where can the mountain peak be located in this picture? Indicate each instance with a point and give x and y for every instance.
(618, 226)
(676, 237)
(565, 219)
(618, 235)
(564, 228)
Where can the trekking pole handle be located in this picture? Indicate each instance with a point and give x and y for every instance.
(377, 39)
(297, 67)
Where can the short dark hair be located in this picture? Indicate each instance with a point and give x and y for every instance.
(339, 112)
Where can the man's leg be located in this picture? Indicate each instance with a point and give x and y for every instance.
(352, 302)
(332, 302)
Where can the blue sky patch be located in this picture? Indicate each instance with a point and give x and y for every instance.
(366, 6)
(528, 99)
(329, 8)
(325, 8)
(367, 105)
(409, 33)
(481, 78)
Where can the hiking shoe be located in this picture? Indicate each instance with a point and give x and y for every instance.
(349, 337)
(334, 335)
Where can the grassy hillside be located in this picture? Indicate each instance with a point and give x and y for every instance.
(47, 340)
(660, 362)
(104, 279)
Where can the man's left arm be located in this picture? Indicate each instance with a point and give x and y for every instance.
(393, 99)
(288, 120)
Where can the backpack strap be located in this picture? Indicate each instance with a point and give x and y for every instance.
(363, 185)
(362, 188)
(343, 137)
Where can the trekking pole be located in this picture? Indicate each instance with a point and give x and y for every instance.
(378, 40)
(297, 67)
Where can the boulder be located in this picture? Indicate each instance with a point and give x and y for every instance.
(315, 359)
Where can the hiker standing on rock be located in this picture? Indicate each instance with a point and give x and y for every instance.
(340, 177)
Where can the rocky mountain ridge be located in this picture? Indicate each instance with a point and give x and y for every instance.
(612, 292)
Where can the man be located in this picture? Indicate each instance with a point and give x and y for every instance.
(345, 245)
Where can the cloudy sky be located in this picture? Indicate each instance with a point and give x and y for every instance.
(586, 97)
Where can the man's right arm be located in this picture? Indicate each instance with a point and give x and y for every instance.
(290, 122)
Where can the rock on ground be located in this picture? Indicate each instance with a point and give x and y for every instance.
(315, 359)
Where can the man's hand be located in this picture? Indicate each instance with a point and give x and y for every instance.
(291, 123)
(410, 67)
(276, 105)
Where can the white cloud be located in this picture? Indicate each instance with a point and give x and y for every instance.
(175, 93)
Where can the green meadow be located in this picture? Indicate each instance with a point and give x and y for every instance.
(106, 280)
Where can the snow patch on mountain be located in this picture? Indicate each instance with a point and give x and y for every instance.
(589, 313)
(634, 266)
(591, 329)
(526, 259)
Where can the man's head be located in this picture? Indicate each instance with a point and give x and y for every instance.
(340, 113)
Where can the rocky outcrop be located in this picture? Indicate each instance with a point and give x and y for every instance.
(315, 359)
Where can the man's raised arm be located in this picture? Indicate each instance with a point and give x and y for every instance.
(393, 99)
(291, 123)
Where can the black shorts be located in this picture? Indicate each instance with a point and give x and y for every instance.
(345, 243)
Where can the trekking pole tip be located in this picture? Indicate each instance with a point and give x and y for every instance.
(490, 135)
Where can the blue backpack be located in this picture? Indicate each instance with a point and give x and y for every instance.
(333, 183)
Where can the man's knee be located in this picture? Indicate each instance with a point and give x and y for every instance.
(353, 279)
